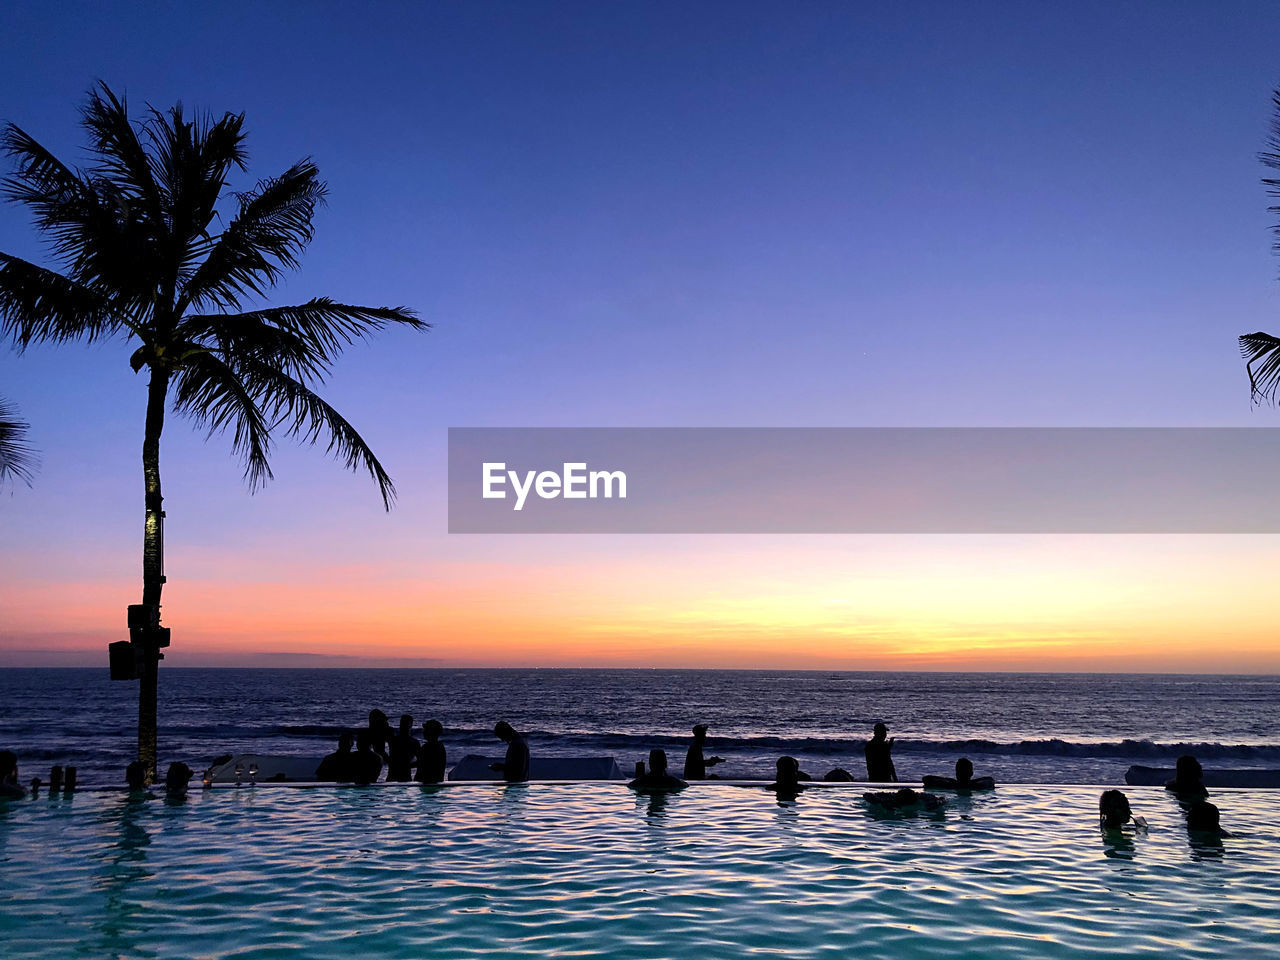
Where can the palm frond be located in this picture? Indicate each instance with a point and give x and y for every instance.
(18, 459)
(1262, 353)
(265, 238)
(38, 305)
(216, 398)
(119, 155)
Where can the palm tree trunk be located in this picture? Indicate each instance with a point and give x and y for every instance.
(152, 567)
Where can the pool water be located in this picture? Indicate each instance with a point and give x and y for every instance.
(591, 870)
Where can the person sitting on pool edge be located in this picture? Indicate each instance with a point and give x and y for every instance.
(1203, 819)
(515, 766)
(10, 788)
(695, 766)
(404, 751)
(366, 763)
(963, 780)
(1188, 778)
(879, 759)
(657, 778)
(1114, 811)
(789, 777)
(337, 767)
(431, 755)
(904, 799)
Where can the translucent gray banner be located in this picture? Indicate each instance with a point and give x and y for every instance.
(864, 480)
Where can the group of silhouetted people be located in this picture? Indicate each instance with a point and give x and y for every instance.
(405, 757)
(1187, 786)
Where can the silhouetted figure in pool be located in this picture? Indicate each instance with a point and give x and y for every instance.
(879, 757)
(515, 766)
(404, 751)
(904, 800)
(788, 779)
(1203, 821)
(337, 767)
(1188, 778)
(10, 788)
(963, 780)
(695, 765)
(176, 779)
(380, 734)
(1114, 811)
(838, 775)
(366, 764)
(431, 755)
(135, 775)
(656, 778)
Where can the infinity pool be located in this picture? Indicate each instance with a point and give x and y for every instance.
(591, 870)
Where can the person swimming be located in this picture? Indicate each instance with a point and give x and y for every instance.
(879, 757)
(135, 776)
(10, 788)
(366, 763)
(431, 755)
(1114, 811)
(1204, 819)
(963, 780)
(404, 751)
(695, 766)
(788, 778)
(338, 767)
(1188, 778)
(176, 779)
(905, 799)
(657, 778)
(515, 766)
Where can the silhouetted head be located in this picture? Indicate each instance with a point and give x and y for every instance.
(1188, 770)
(432, 729)
(964, 770)
(363, 741)
(406, 723)
(378, 720)
(880, 730)
(788, 770)
(699, 731)
(177, 777)
(1113, 808)
(1203, 816)
(135, 775)
(345, 740)
(8, 766)
(658, 762)
(504, 731)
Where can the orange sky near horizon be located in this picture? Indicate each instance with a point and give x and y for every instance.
(1158, 603)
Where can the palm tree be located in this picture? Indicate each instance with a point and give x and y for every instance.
(1261, 351)
(17, 459)
(145, 257)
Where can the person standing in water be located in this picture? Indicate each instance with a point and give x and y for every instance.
(657, 777)
(380, 734)
(695, 765)
(515, 766)
(431, 756)
(404, 751)
(879, 756)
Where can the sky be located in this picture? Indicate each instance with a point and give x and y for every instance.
(663, 214)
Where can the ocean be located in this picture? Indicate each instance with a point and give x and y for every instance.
(1027, 728)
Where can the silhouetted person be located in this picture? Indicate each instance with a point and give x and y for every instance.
(339, 766)
(176, 779)
(656, 777)
(879, 759)
(963, 780)
(838, 775)
(515, 766)
(905, 799)
(788, 777)
(695, 765)
(366, 764)
(404, 751)
(1114, 811)
(1203, 819)
(431, 755)
(135, 775)
(1188, 778)
(10, 788)
(380, 734)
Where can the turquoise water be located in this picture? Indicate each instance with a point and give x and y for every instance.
(593, 871)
